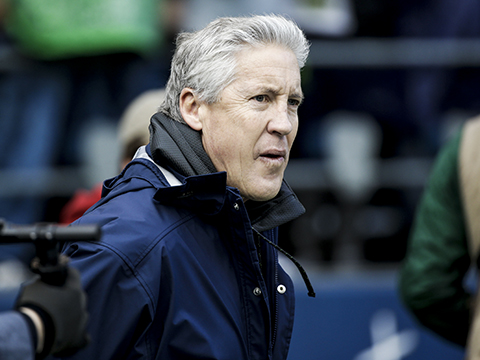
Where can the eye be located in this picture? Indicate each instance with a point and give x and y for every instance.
(293, 102)
(260, 98)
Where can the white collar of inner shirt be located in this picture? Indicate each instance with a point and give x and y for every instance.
(142, 154)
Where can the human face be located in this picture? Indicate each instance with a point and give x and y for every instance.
(249, 132)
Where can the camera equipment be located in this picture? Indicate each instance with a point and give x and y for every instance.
(46, 237)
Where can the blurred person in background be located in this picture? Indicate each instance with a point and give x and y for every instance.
(188, 266)
(132, 133)
(444, 243)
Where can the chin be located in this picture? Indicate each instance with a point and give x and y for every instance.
(262, 195)
(261, 188)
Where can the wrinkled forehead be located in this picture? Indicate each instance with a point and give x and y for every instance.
(271, 67)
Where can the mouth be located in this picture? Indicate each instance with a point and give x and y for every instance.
(274, 156)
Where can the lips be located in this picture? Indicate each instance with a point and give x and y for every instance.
(274, 154)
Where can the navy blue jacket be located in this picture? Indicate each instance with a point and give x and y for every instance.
(177, 273)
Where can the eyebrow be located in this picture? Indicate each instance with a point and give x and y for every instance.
(300, 96)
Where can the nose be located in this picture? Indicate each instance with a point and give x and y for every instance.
(282, 121)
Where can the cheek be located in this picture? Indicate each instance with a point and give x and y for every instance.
(293, 134)
(218, 145)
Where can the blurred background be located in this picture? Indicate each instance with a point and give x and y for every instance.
(386, 84)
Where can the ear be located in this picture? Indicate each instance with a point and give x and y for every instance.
(189, 108)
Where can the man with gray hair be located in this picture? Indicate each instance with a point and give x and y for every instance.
(187, 267)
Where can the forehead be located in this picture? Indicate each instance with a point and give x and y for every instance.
(271, 66)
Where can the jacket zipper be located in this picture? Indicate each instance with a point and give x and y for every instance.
(275, 323)
(311, 291)
(308, 284)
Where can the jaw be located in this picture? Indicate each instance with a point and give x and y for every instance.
(262, 187)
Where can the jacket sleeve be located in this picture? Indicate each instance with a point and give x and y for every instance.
(16, 342)
(431, 278)
(119, 310)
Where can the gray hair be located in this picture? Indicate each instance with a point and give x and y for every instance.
(205, 60)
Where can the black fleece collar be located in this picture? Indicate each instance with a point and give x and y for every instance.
(179, 146)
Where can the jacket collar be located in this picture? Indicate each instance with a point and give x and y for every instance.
(177, 146)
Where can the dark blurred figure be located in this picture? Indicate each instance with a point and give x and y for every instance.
(409, 103)
(415, 108)
(432, 92)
